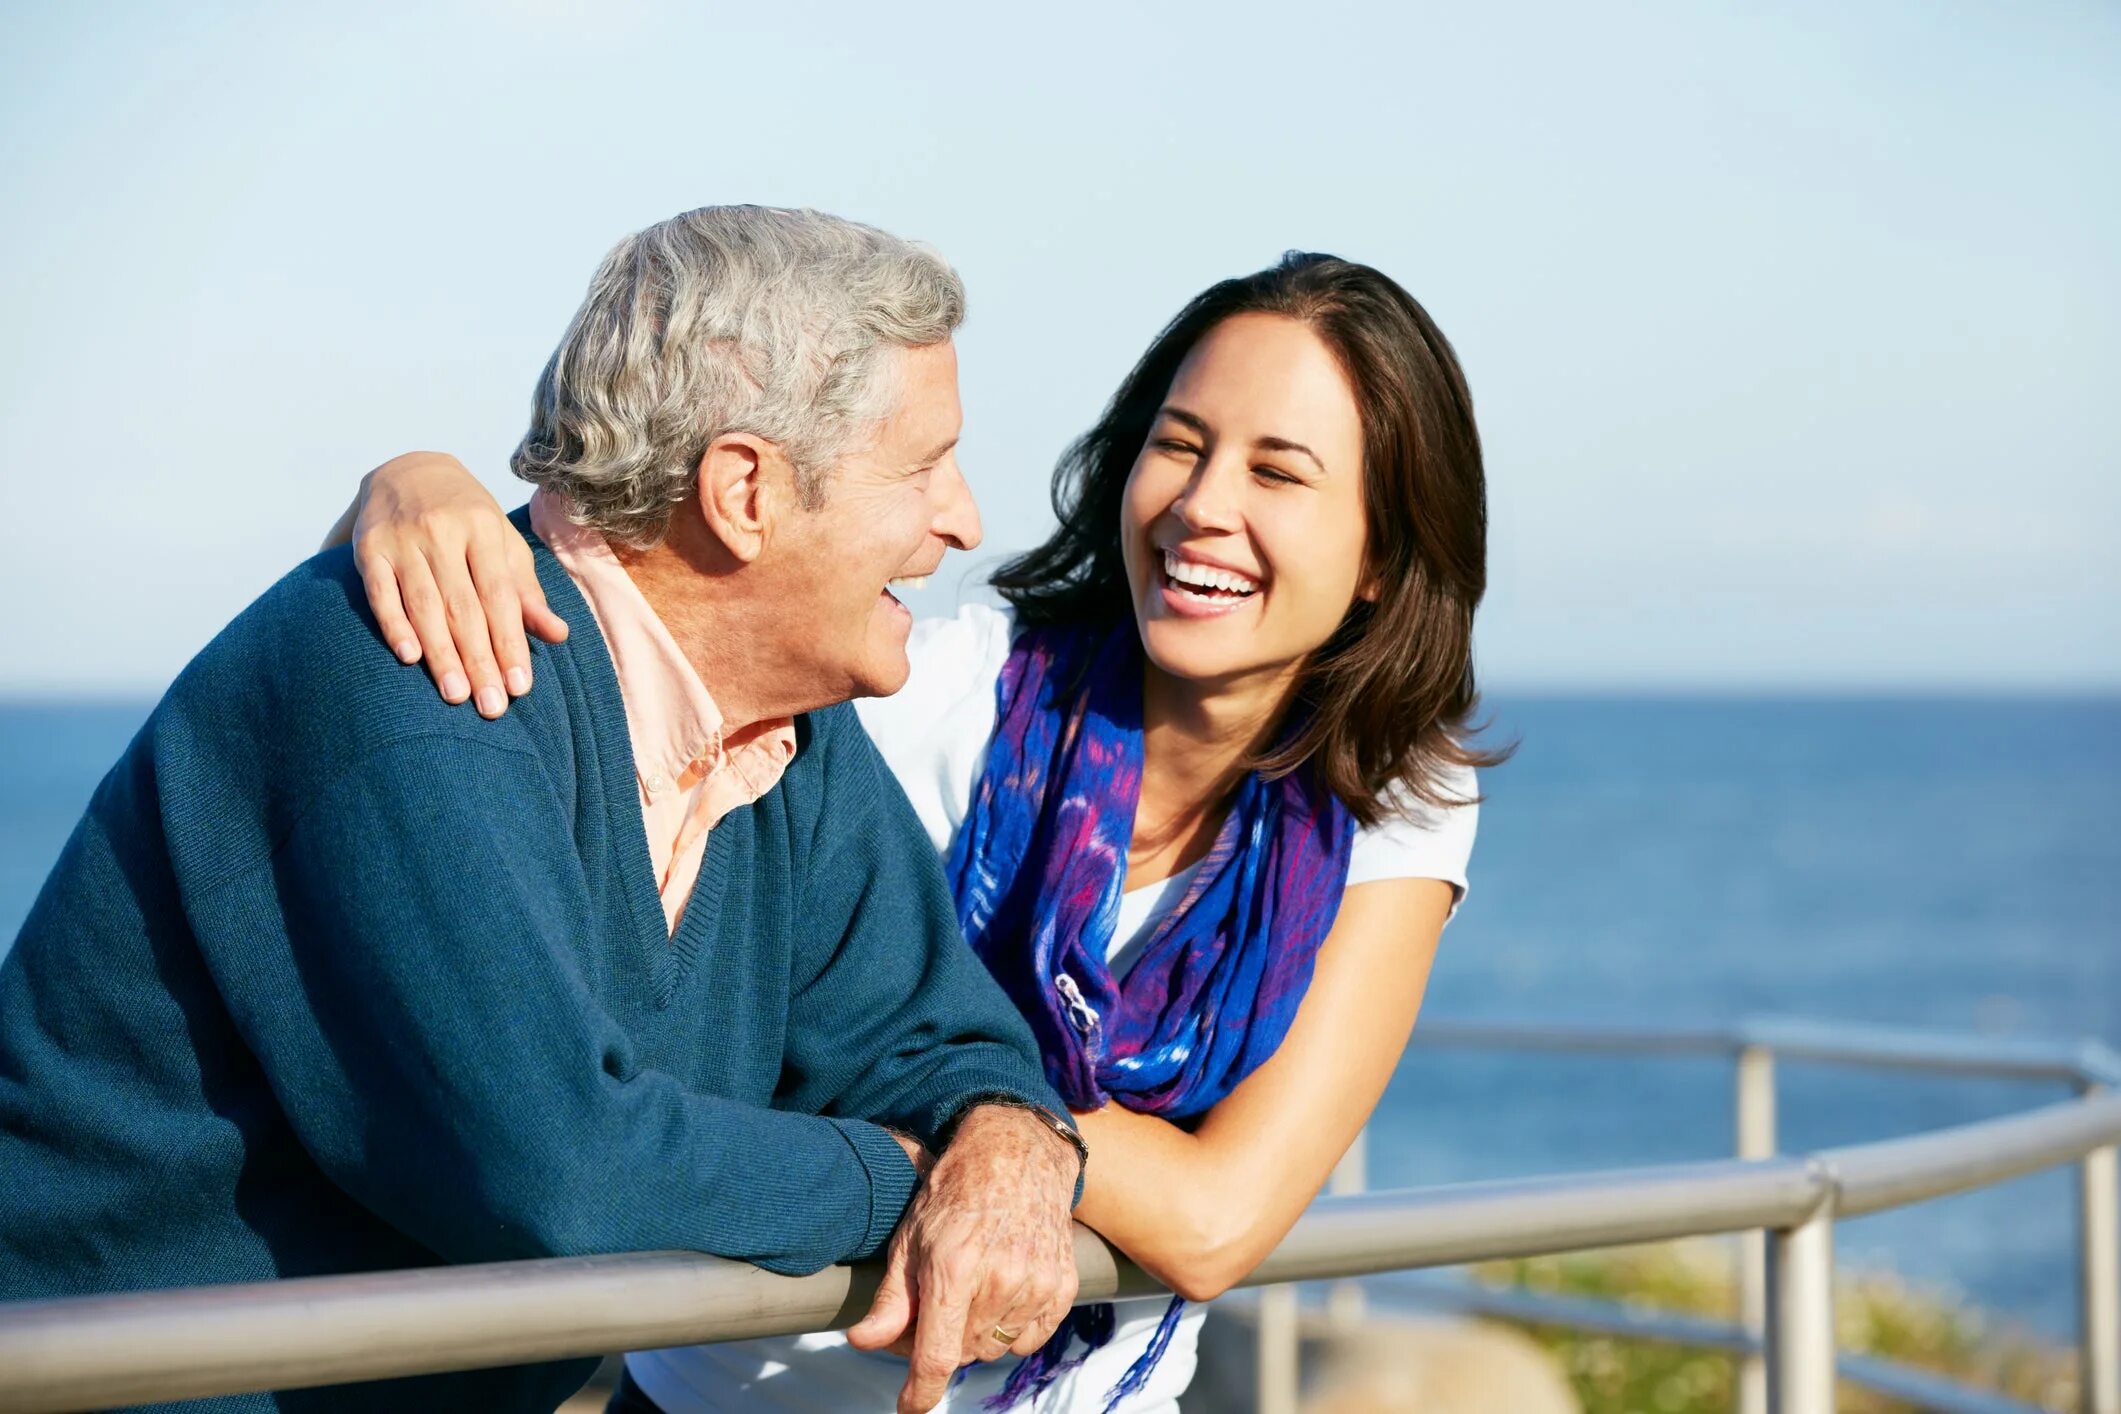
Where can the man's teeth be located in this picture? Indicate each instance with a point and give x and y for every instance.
(910, 581)
(1204, 577)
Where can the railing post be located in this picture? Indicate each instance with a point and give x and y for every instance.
(1344, 1299)
(2099, 1259)
(1280, 1350)
(1800, 1327)
(1756, 1140)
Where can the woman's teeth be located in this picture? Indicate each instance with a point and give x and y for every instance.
(1206, 580)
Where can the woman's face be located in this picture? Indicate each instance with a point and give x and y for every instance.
(1242, 527)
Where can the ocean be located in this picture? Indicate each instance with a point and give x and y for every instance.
(1947, 863)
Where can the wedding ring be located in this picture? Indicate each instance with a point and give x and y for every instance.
(1006, 1337)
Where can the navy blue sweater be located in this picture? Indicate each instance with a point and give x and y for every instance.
(334, 977)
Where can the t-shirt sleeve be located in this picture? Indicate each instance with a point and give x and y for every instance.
(1425, 842)
(933, 732)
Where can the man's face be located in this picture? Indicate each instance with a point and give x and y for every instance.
(890, 512)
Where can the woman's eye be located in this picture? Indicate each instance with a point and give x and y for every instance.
(1184, 449)
(1271, 474)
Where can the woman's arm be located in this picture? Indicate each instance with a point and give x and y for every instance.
(448, 577)
(1199, 1210)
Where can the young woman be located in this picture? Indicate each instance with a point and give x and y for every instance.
(1205, 789)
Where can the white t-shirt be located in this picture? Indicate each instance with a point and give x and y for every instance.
(933, 734)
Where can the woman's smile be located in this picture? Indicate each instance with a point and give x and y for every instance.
(1196, 588)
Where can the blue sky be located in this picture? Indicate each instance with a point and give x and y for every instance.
(1793, 335)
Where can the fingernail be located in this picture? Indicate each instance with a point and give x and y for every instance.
(407, 651)
(454, 687)
(490, 701)
(519, 681)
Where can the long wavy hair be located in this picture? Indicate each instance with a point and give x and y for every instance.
(1384, 708)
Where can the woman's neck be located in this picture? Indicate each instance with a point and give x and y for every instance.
(1195, 739)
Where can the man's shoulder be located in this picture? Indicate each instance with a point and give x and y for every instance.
(837, 780)
(831, 750)
(308, 636)
(304, 673)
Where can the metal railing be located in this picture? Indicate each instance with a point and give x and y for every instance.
(1861, 1186)
(91, 1352)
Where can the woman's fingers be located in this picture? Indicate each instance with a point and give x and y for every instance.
(380, 580)
(465, 611)
(503, 611)
(430, 622)
(538, 616)
(462, 605)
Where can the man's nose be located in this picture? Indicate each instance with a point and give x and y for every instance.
(957, 515)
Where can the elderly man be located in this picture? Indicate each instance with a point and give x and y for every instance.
(333, 977)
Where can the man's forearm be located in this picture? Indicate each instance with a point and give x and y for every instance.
(530, 1137)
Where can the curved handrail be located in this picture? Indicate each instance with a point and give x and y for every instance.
(1798, 1038)
(96, 1351)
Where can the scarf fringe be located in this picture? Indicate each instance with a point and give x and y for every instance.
(1036, 1372)
(1137, 1376)
(1093, 1326)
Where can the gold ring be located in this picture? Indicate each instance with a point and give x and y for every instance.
(1007, 1337)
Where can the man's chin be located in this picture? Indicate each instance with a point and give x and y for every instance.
(887, 675)
(884, 669)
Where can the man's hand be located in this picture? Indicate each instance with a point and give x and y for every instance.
(986, 1250)
(916, 1153)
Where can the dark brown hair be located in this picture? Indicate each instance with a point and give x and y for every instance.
(1388, 699)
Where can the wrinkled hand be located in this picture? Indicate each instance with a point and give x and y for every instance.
(988, 1243)
(450, 580)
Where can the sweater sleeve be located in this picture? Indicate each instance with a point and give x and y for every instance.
(449, 1066)
(899, 1022)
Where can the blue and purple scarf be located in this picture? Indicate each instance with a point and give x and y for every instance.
(1038, 868)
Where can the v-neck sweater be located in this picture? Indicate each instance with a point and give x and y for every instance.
(690, 773)
(335, 977)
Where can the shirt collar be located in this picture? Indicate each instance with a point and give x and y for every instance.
(675, 727)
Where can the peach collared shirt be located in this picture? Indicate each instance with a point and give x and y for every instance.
(690, 773)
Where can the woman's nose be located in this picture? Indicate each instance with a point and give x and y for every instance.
(1209, 502)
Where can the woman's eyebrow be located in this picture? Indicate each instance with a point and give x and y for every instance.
(1270, 444)
(1283, 444)
(1193, 420)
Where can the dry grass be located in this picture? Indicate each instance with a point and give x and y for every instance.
(1875, 1313)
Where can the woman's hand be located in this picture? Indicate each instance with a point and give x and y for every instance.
(449, 579)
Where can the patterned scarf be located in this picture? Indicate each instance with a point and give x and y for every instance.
(1038, 868)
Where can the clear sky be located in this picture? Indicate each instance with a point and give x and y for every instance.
(1794, 335)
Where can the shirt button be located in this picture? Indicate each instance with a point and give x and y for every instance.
(656, 784)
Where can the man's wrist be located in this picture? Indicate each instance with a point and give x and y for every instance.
(916, 1153)
(1037, 1114)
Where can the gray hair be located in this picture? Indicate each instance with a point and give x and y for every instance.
(783, 324)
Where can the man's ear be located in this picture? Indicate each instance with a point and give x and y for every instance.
(736, 491)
